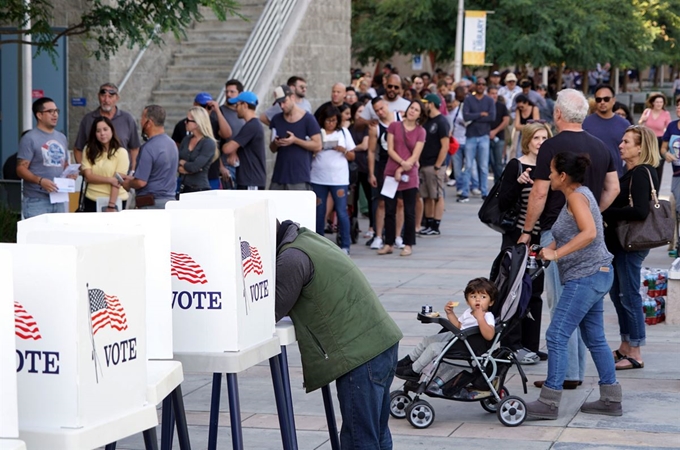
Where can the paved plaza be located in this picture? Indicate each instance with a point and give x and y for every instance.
(437, 272)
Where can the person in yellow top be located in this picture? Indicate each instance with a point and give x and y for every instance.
(104, 158)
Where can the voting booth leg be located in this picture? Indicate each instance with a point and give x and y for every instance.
(214, 411)
(330, 417)
(180, 419)
(234, 412)
(282, 406)
(167, 424)
(285, 377)
(111, 446)
(150, 439)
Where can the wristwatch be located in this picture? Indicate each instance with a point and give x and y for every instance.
(526, 232)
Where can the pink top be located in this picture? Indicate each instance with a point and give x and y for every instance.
(659, 125)
(404, 150)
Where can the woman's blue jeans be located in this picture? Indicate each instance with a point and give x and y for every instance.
(625, 294)
(339, 195)
(581, 305)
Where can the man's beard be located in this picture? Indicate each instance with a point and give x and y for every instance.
(106, 108)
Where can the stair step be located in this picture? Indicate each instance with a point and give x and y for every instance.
(223, 34)
(211, 47)
(185, 84)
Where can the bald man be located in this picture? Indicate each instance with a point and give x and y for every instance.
(395, 102)
(338, 92)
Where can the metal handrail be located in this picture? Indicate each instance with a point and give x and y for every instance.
(261, 43)
(133, 66)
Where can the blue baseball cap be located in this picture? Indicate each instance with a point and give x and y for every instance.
(245, 97)
(202, 98)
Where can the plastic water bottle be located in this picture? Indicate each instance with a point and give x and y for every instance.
(436, 386)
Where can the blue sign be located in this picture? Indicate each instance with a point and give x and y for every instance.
(78, 101)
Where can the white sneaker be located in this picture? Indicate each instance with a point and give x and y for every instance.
(459, 192)
(451, 183)
(476, 192)
(377, 243)
(369, 234)
(345, 251)
(399, 242)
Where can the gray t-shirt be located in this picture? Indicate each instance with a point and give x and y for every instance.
(47, 155)
(197, 162)
(123, 123)
(235, 123)
(157, 165)
(588, 260)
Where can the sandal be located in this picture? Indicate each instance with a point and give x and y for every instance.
(634, 364)
(406, 252)
(618, 356)
(386, 250)
(526, 357)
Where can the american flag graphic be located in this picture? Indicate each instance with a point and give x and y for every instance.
(185, 268)
(25, 326)
(251, 259)
(106, 310)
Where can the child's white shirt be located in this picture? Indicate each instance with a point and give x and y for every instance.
(467, 320)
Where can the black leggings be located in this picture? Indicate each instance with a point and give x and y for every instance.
(362, 182)
(409, 197)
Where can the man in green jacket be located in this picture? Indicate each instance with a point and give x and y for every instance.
(343, 332)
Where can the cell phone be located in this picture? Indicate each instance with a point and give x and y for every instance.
(119, 178)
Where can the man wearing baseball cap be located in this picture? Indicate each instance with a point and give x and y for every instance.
(510, 91)
(432, 171)
(296, 136)
(247, 147)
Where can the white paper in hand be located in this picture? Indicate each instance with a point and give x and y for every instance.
(390, 186)
(58, 197)
(72, 169)
(65, 184)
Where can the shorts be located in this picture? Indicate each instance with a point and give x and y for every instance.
(432, 182)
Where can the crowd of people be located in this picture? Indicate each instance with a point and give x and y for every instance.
(572, 169)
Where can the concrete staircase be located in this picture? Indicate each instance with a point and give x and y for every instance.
(204, 60)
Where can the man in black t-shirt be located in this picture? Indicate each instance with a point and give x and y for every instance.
(248, 145)
(601, 178)
(432, 173)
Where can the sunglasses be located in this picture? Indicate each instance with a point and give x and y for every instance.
(189, 120)
(602, 99)
(393, 86)
(108, 91)
(481, 84)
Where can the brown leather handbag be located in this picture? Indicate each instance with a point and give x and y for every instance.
(656, 230)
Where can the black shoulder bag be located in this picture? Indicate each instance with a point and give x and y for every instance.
(490, 213)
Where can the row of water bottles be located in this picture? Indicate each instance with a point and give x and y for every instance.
(654, 289)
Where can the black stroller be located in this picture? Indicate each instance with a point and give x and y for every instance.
(487, 363)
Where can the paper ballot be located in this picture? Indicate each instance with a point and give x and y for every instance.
(390, 186)
(65, 184)
(72, 169)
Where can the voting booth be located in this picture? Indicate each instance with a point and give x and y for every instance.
(81, 355)
(223, 279)
(154, 226)
(9, 422)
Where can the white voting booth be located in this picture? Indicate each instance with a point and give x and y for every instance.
(82, 361)
(154, 225)
(9, 413)
(222, 275)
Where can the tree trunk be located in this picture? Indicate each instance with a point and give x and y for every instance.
(558, 83)
(585, 82)
(626, 79)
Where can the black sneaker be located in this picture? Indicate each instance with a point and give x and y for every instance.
(405, 361)
(462, 199)
(407, 373)
(370, 241)
(424, 231)
(432, 232)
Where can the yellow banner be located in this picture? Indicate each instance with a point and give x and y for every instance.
(474, 42)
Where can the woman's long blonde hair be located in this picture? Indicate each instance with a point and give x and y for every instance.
(528, 134)
(649, 144)
(202, 120)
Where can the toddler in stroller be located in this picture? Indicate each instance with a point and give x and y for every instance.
(480, 293)
(466, 362)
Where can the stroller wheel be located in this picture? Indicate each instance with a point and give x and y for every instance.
(490, 404)
(512, 411)
(399, 402)
(420, 414)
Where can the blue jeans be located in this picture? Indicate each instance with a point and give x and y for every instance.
(35, 206)
(581, 306)
(364, 397)
(625, 294)
(496, 149)
(476, 150)
(339, 195)
(458, 165)
(576, 349)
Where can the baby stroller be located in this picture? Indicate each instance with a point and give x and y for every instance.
(487, 363)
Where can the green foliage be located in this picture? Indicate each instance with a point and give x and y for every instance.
(108, 25)
(577, 33)
(8, 225)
